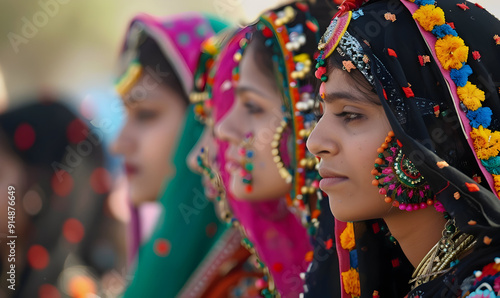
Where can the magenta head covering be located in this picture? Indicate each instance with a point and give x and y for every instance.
(278, 236)
(179, 37)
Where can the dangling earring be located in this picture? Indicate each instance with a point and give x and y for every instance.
(216, 181)
(403, 185)
(247, 154)
(275, 144)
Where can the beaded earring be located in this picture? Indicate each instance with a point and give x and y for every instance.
(403, 185)
(216, 181)
(247, 154)
(275, 144)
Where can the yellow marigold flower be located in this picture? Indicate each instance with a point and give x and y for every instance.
(351, 283)
(471, 96)
(429, 16)
(496, 179)
(451, 52)
(347, 237)
(486, 143)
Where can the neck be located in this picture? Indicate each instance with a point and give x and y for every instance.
(416, 231)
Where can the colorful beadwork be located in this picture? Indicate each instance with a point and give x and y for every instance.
(402, 185)
(246, 153)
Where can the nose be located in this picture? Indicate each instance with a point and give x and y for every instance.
(321, 141)
(228, 128)
(123, 144)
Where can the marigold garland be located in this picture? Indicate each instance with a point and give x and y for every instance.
(347, 237)
(429, 16)
(471, 96)
(452, 53)
(351, 282)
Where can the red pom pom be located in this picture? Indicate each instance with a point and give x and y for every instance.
(392, 53)
(302, 6)
(451, 24)
(319, 72)
(408, 92)
(463, 6)
(267, 32)
(476, 55)
(472, 187)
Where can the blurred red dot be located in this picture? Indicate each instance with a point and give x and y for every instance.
(211, 229)
(162, 247)
(73, 230)
(338, 1)
(24, 136)
(48, 291)
(278, 267)
(100, 180)
(62, 183)
(38, 257)
(76, 131)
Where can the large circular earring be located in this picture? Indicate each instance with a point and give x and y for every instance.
(275, 144)
(402, 184)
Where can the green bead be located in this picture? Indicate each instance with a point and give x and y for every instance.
(381, 155)
(376, 165)
(324, 78)
(392, 239)
(249, 167)
(246, 181)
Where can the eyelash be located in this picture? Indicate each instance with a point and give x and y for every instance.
(253, 108)
(349, 116)
(145, 115)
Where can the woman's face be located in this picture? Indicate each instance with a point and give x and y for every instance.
(208, 143)
(155, 114)
(256, 111)
(346, 139)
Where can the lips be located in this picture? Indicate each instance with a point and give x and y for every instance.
(232, 165)
(130, 169)
(330, 178)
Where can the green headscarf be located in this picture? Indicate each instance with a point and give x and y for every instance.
(188, 226)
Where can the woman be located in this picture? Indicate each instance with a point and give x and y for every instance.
(265, 130)
(53, 170)
(162, 56)
(401, 84)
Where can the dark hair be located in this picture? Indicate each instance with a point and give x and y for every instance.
(335, 61)
(152, 57)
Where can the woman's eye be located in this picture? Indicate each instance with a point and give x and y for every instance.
(145, 115)
(253, 108)
(349, 116)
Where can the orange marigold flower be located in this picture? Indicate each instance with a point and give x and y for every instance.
(429, 16)
(347, 237)
(496, 179)
(486, 143)
(451, 52)
(471, 96)
(351, 283)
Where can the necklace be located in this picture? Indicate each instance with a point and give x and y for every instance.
(452, 245)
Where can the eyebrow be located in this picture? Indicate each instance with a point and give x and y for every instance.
(243, 89)
(334, 96)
